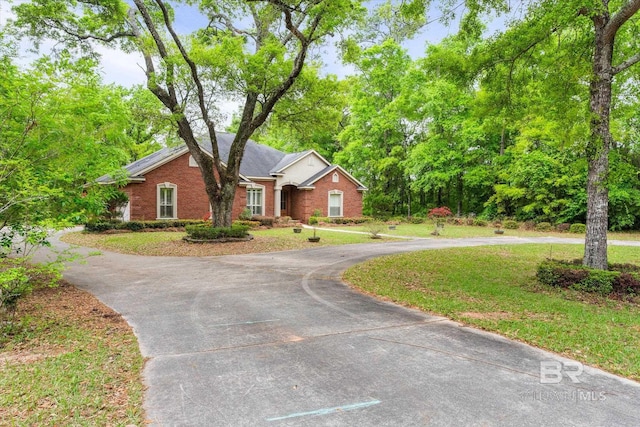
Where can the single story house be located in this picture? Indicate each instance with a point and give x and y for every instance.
(167, 184)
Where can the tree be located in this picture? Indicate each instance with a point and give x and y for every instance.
(252, 50)
(378, 139)
(59, 129)
(309, 117)
(604, 32)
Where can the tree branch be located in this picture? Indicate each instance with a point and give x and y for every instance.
(625, 13)
(626, 64)
(196, 79)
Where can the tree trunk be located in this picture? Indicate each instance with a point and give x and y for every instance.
(595, 250)
(460, 189)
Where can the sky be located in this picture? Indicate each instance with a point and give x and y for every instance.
(127, 69)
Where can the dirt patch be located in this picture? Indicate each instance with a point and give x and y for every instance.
(491, 315)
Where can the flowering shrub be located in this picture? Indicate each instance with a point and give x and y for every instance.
(439, 216)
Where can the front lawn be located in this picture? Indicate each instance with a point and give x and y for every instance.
(460, 231)
(494, 288)
(171, 244)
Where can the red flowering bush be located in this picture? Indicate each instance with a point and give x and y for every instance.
(439, 215)
(441, 212)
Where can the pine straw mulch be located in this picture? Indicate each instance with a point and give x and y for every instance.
(63, 321)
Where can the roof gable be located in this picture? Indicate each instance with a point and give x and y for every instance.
(318, 176)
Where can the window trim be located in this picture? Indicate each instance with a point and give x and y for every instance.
(335, 177)
(174, 199)
(334, 193)
(260, 188)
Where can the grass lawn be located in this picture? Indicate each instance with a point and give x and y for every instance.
(460, 231)
(171, 244)
(494, 288)
(72, 361)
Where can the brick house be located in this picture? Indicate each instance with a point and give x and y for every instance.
(167, 184)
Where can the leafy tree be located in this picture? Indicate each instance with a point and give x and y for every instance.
(252, 50)
(601, 34)
(309, 117)
(59, 129)
(378, 139)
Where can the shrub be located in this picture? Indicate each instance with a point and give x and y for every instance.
(265, 221)
(99, 226)
(206, 232)
(416, 220)
(529, 225)
(597, 281)
(563, 227)
(543, 226)
(133, 225)
(479, 222)
(250, 224)
(511, 224)
(18, 278)
(627, 284)
(621, 279)
(246, 214)
(577, 228)
(313, 220)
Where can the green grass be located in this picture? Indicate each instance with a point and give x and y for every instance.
(171, 244)
(461, 231)
(494, 288)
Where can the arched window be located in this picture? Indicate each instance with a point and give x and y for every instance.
(335, 177)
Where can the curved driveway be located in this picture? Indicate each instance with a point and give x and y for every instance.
(276, 339)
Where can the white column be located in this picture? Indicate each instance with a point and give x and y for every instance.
(276, 202)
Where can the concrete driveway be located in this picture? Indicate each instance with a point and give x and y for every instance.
(276, 339)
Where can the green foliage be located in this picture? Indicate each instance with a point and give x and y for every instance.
(18, 278)
(250, 224)
(510, 224)
(479, 222)
(102, 226)
(544, 226)
(622, 279)
(206, 232)
(245, 215)
(577, 228)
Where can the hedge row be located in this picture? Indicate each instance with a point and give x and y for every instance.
(330, 220)
(206, 232)
(620, 279)
(101, 226)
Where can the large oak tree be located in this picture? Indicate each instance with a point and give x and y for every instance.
(252, 51)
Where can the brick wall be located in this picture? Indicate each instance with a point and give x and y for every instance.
(194, 204)
(192, 199)
(319, 197)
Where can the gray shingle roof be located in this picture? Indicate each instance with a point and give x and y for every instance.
(258, 160)
(287, 160)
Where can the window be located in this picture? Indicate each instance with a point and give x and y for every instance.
(254, 200)
(167, 200)
(335, 203)
(192, 162)
(336, 177)
(283, 200)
